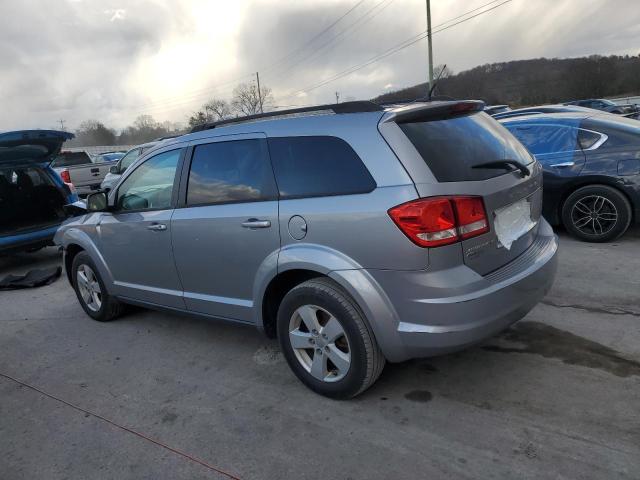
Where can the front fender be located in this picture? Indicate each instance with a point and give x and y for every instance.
(72, 235)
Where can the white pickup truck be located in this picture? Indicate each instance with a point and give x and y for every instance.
(80, 169)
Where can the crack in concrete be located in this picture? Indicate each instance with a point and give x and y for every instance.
(606, 311)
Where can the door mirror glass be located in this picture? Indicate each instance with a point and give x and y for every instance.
(97, 202)
(114, 169)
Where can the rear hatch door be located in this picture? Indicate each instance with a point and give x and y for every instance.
(462, 149)
(30, 147)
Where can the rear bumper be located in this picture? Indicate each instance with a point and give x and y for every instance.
(448, 310)
(28, 240)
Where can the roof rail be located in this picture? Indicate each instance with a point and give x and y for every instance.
(345, 107)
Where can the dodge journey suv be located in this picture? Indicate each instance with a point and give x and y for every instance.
(354, 233)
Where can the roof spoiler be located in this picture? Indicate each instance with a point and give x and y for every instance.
(420, 112)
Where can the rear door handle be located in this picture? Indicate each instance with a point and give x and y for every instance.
(157, 227)
(563, 164)
(255, 223)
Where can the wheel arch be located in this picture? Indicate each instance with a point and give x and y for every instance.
(303, 262)
(75, 241)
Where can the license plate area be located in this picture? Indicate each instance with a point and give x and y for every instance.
(512, 222)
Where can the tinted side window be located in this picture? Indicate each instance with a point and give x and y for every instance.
(128, 159)
(545, 139)
(69, 159)
(150, 185)
(587, 139)
(318, 166)
(227, 172)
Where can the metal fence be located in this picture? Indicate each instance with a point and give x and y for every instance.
(96, 150)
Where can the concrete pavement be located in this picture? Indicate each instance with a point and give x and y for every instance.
(556, 396)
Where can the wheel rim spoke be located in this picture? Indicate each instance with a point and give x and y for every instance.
(582, 222)
(300, 339)
(319, 366)
(582, 208)
(340, 359)
(332, 330)
(309, 317)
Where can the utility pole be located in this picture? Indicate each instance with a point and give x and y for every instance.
(430, 43)
(61, 124)
(337, 97)
(259, 92)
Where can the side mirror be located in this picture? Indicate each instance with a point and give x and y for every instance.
(114, 169)
(97, 202)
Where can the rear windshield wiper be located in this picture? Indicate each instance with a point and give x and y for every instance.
(505, 163)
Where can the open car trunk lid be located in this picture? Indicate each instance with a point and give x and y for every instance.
(460, 146)
(29, 147)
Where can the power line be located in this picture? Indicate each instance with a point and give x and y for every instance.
(340, 36)
(315, 37)
(398, 47)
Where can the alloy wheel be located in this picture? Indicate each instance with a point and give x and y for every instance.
(320, 343)
(594, 215)
(89, 287)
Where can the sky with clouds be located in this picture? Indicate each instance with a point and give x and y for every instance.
(112, 60)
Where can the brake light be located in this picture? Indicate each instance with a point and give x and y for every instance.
(436, 221)
(472, 218)
(66, 177)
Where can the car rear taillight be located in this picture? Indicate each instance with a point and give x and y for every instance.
(66, 178)
(436, 221)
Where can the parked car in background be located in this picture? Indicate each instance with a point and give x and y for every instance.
(81, 170)
(108, 157)
(353, 233)
(519, 112)
(116, 171)
(494, 109)
(604, 105)
(32, 194)
(591, 167)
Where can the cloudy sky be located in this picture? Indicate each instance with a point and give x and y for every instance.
(112, 60)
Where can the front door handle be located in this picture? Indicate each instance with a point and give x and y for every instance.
(563, 164)
(255, 223)
(157, 227)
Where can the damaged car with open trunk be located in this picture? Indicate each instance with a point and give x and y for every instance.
(32, 194)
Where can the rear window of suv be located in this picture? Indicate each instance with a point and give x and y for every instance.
(69, 159)
(317, 166)
(452, 147)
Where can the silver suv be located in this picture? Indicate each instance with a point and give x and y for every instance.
(354, 233)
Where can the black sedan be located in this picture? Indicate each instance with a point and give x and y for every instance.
(591, 167)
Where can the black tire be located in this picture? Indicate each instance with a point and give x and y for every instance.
(607, 223)
(110, 308)
(366, 358)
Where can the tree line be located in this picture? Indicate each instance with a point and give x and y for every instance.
(517, 83)
(536, 81)
(246, 100)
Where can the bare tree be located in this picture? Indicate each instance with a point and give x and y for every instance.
(218, 109)
(247, 101)
(442, 71)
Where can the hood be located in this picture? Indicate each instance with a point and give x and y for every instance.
(25, 147)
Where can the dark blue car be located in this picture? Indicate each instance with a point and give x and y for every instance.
(32, 194)
(591, 167)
